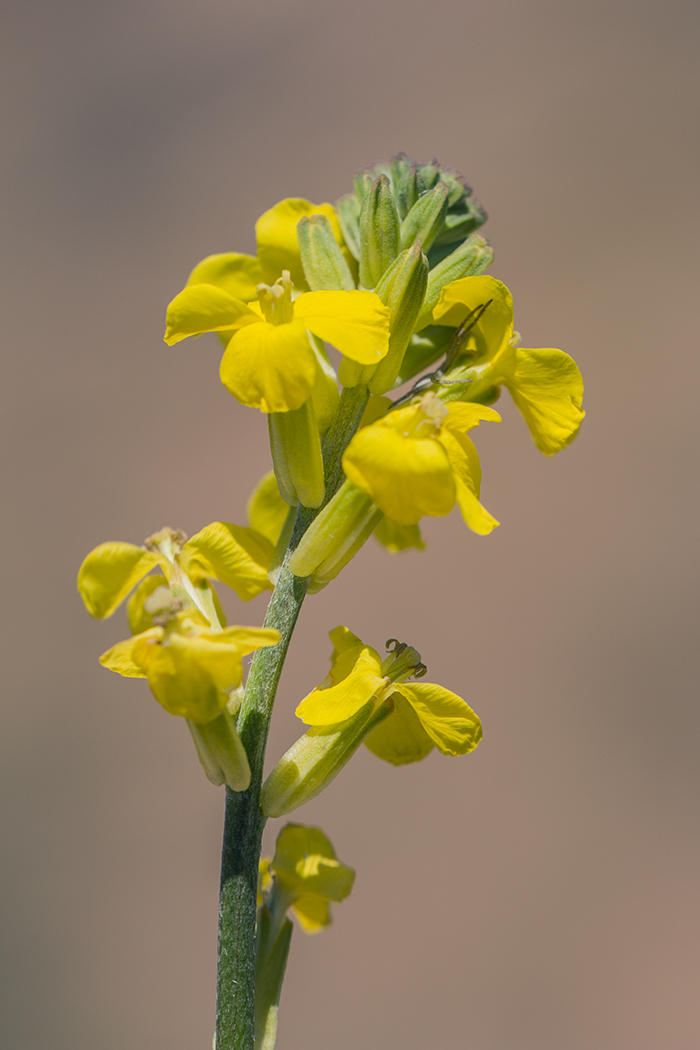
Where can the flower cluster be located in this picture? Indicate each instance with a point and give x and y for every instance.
(370, 337)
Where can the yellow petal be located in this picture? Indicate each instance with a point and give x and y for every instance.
(264, 877)
(495, 327)
(119, 658)
(547, 387)
(247, 639)
(397, 537)
(108, 574)
(239, 275)
(270, 367)
(355, 323)
(343, 639)
(276, 231)
(400, 738)
(205, 308)
(464, 459)
(450, 723)
(305, 863)
(238, 556)
(463, 416)
(139, 619)
(179, 678)
(267, 511)
(312, 912)
(405, 476)
(340, 701)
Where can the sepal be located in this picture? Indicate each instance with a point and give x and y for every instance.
(333, 532)
(295, 443)
(221, 752)
(402, 289)
(379, 232)
(324, 265)
(425, 219)
(316, 759)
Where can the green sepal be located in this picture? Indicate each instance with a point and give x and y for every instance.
(469, 260)
(333, 532)
(324, 265)
(402, 289)
(221, 752)
(460, 222)
(425, 219)
(295, 443)
(316, 758)
(347, 208)
(325, 393)
(379, 232)
(332, 566)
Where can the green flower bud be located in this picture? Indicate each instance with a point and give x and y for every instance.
(402, 289)
(379, 232)
(409, 188)
(316, 759)
(334, 531)
(398, 166)
(325, 267)
(347, 209)
(460, 221)
(295, 444)
(221, 752)
(468, 260)
(425, 219)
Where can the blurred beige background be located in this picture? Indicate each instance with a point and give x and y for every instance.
(541, 894)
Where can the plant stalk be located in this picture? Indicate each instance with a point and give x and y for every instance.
(244, 820)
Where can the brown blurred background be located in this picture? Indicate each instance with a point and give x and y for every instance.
(541, 894)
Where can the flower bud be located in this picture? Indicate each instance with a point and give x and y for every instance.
(379, 232)
(334, 531)
(324, 265)
(402, 289)
(347, 209)
(221, 752)
(425, 219)
(316, 759)
(336, 562)
(409, 188)
(461, 220)
(295, 443)
(469, 260)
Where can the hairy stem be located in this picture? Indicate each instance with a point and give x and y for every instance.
(244, 821)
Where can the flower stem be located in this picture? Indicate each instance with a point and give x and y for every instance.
(244, 820)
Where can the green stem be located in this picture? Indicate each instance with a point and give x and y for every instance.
(244, 821)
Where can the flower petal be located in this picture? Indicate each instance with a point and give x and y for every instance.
(276, 231)
(108, 574)
(464, 459)
(450, 723)
(397, 537)
(305, 863)
(139, 619)
(119, 658)
(355, 323)
(179, 679)
(336, 703)
(270, 367)
(547, 387)
(312, 912)
(205, 308)
(238, 556)
(406, 477)
(400, 738)
(495, 326)
(239, 275)
(267, 511)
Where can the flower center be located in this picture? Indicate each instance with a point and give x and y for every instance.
(402, 662)
(276, 300)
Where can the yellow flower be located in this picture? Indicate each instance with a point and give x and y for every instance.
(190, 668)
(270, 362)
(232, 554)
(419, 460)
(545, 384)
(278, 249)
(421, 715)
(308, 875)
